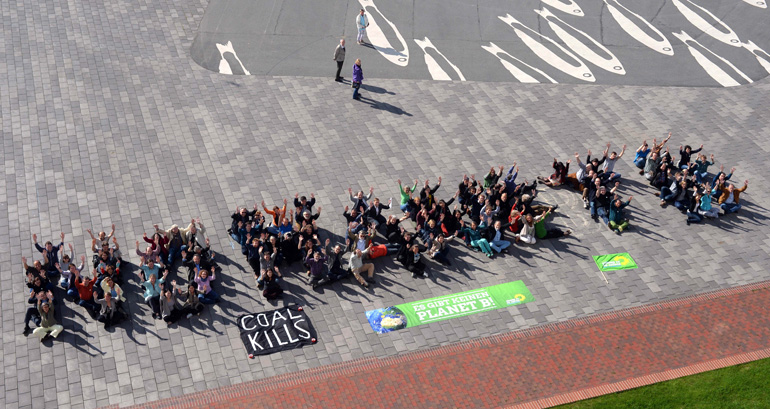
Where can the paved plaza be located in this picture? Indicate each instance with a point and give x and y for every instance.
(105, 118)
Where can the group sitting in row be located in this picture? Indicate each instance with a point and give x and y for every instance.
(687, 184)
(101, 293)
(486, 211)
(95, 294)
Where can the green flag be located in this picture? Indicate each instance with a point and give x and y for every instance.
(617, 261)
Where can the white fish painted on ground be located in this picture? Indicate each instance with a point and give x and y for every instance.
(224, 66)
(712, 69)
(757, 3)
(517, 72)
(436, 72)
(609, 63)
(570, 7)
(662, 45)
(763, 61)
(579, 71)
(724, 34)
(380, 42)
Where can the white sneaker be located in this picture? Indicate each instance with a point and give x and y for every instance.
(189, 315)
(585, 204)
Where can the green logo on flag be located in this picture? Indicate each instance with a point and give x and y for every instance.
(435, 309)
(618, 261)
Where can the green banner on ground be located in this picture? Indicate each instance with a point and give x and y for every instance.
(461, 304)
(618, 261)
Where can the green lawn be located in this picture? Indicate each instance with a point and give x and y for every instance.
(740, 386)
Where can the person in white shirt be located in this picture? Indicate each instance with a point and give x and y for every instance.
(357, 266)
(361, 23)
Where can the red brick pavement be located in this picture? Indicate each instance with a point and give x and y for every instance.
(540, 367)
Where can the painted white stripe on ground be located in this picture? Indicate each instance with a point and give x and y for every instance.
(725, 34)
(757, 3)
(380, 42)
(712, 69)
(569, 7)
(579, 71)
(624, 17)
(611, 64)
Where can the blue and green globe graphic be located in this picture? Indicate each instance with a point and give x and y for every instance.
(385, 320)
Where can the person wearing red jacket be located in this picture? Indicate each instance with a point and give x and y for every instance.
(85, 289)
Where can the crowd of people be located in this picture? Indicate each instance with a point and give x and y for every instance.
(687, 183)
(488, 215)
(100, 293)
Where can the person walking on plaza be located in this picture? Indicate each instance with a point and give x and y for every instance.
(339, 57)
(358, 76)
(361, 23)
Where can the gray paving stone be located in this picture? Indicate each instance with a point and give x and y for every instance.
(90, 100)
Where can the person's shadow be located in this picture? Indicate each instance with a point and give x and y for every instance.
(376, 90)
(384, 106)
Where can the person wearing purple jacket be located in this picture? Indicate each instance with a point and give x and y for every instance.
(358, 77)
(317, 264)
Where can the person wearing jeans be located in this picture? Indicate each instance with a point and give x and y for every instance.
(440, 250)
(730, 199)
(497, 241)
(175, 242)
(85, 289)
(358, 77)
(641, 155)
(206, 294)
(152, 287)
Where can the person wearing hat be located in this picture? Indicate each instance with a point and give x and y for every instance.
(47, 320)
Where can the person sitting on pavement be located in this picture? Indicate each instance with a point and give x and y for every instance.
(730, 199)
(406, 194)
(48, 326)
(109, 313)
(618, 221)
(439, 249)
(414, 262)
(357, 266)
(153, 286)
(192, 304)
(206, 293)
(272, 279)
(475, 237)
(559, 176)
(316, 263)
(543, 233)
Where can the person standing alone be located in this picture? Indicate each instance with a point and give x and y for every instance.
(339, 57)
(358, 77)
(361, 22)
